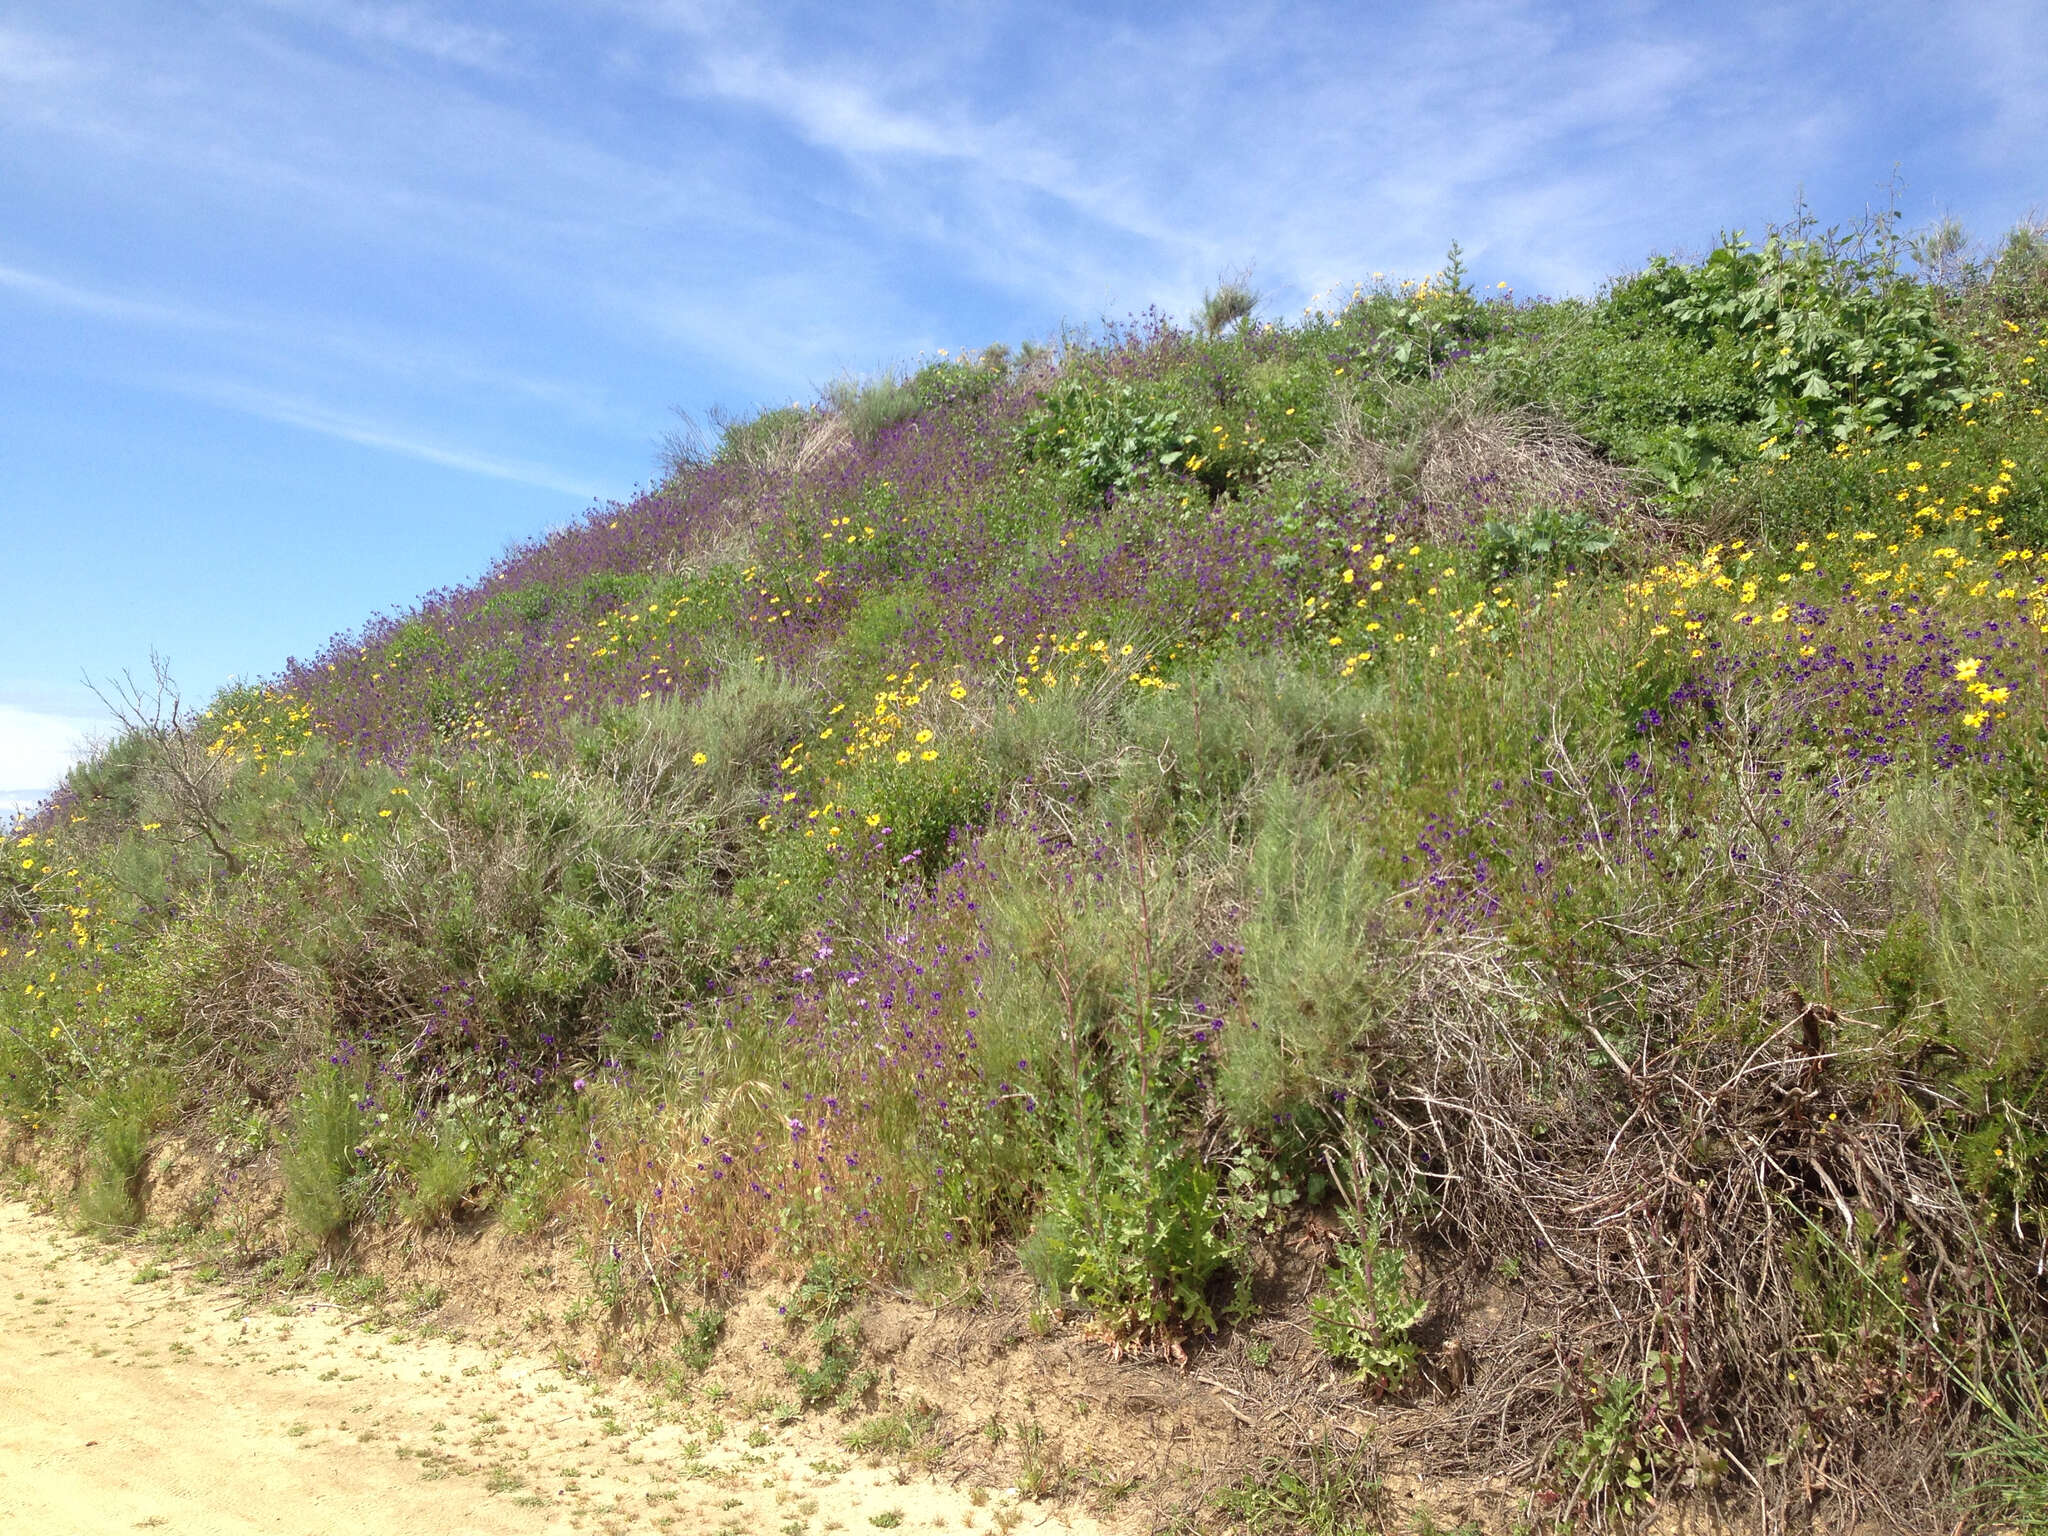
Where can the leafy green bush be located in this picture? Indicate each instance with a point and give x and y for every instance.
(29, 1080)
(1105, 439)
(1211, 747)
(1325, 1492)
(962, 379)
(1317, 990)
(1543, 542)
(1231, 302)
(820, 1303)
(1629, 382)
(1367, 1312)
(542, 1169)
(1136, 1238)
(1838, 344)
(2019, 274)
(764, 439)
(899, 1433)
(1411, 329)
(1612, 1465)
(703, 1328)
(1990, 952)
(530, 605)
(879, 621)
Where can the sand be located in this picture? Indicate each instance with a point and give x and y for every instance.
(133, 1397)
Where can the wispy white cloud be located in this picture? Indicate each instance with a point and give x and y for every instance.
(1174, 140)
(312, 416)
(414, 29)
(103, 305)
(359, 345)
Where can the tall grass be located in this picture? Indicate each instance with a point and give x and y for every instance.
(326, 1173)
(119, 1121)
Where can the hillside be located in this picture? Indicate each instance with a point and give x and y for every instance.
(1483, 853)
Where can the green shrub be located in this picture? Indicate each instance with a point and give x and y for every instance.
(1210, 747)
(1136, 1237)
(880, 620)
(1324, 1492)
(1613, 1464)
(1543, 543)
(1367, 1310)
(871, 406)
(1838, 344)
(769, 439)
(606, 590)
(542, 1169)
(1232, 301)
(895, 1434)
(114, 782)
(1105, 439)
(703, 1327)
(1628, 381)
(1406, 331)
(1317, 985)
(2019, 277)
(1902, 965)
(529, 605)
(412, 643)
(29, 1080)
(119, 1122)
(442, 1170)
(820, 1303)
(962, 379)
(326, 1164)
(1991, 958)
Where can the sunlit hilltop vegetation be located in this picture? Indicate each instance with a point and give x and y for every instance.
(1543, 799)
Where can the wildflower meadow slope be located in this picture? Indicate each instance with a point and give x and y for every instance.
(1541, 800)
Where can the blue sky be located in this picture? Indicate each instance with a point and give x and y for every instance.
(308, 307)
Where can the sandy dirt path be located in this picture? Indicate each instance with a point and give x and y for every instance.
(131, 1399)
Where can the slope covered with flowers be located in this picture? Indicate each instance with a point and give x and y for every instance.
(1555, 789)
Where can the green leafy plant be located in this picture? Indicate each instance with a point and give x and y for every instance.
(1368, 1310)
(1685, 462)
(1231, 302)
(703, 1328)
(905, 1431)
(1623, 1447)
(1323, 1493)
(1427, 319)
(1136, 1240)
(1105, 440)
(1547, 540)
(1839, 343)
(821, 1300)
(870, 406)
(442, 1170)
(1258, 1195)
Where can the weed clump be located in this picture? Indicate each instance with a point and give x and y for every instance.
(119, 1122)
(326, 1156)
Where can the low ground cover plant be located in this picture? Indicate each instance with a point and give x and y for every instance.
(1507, 781)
